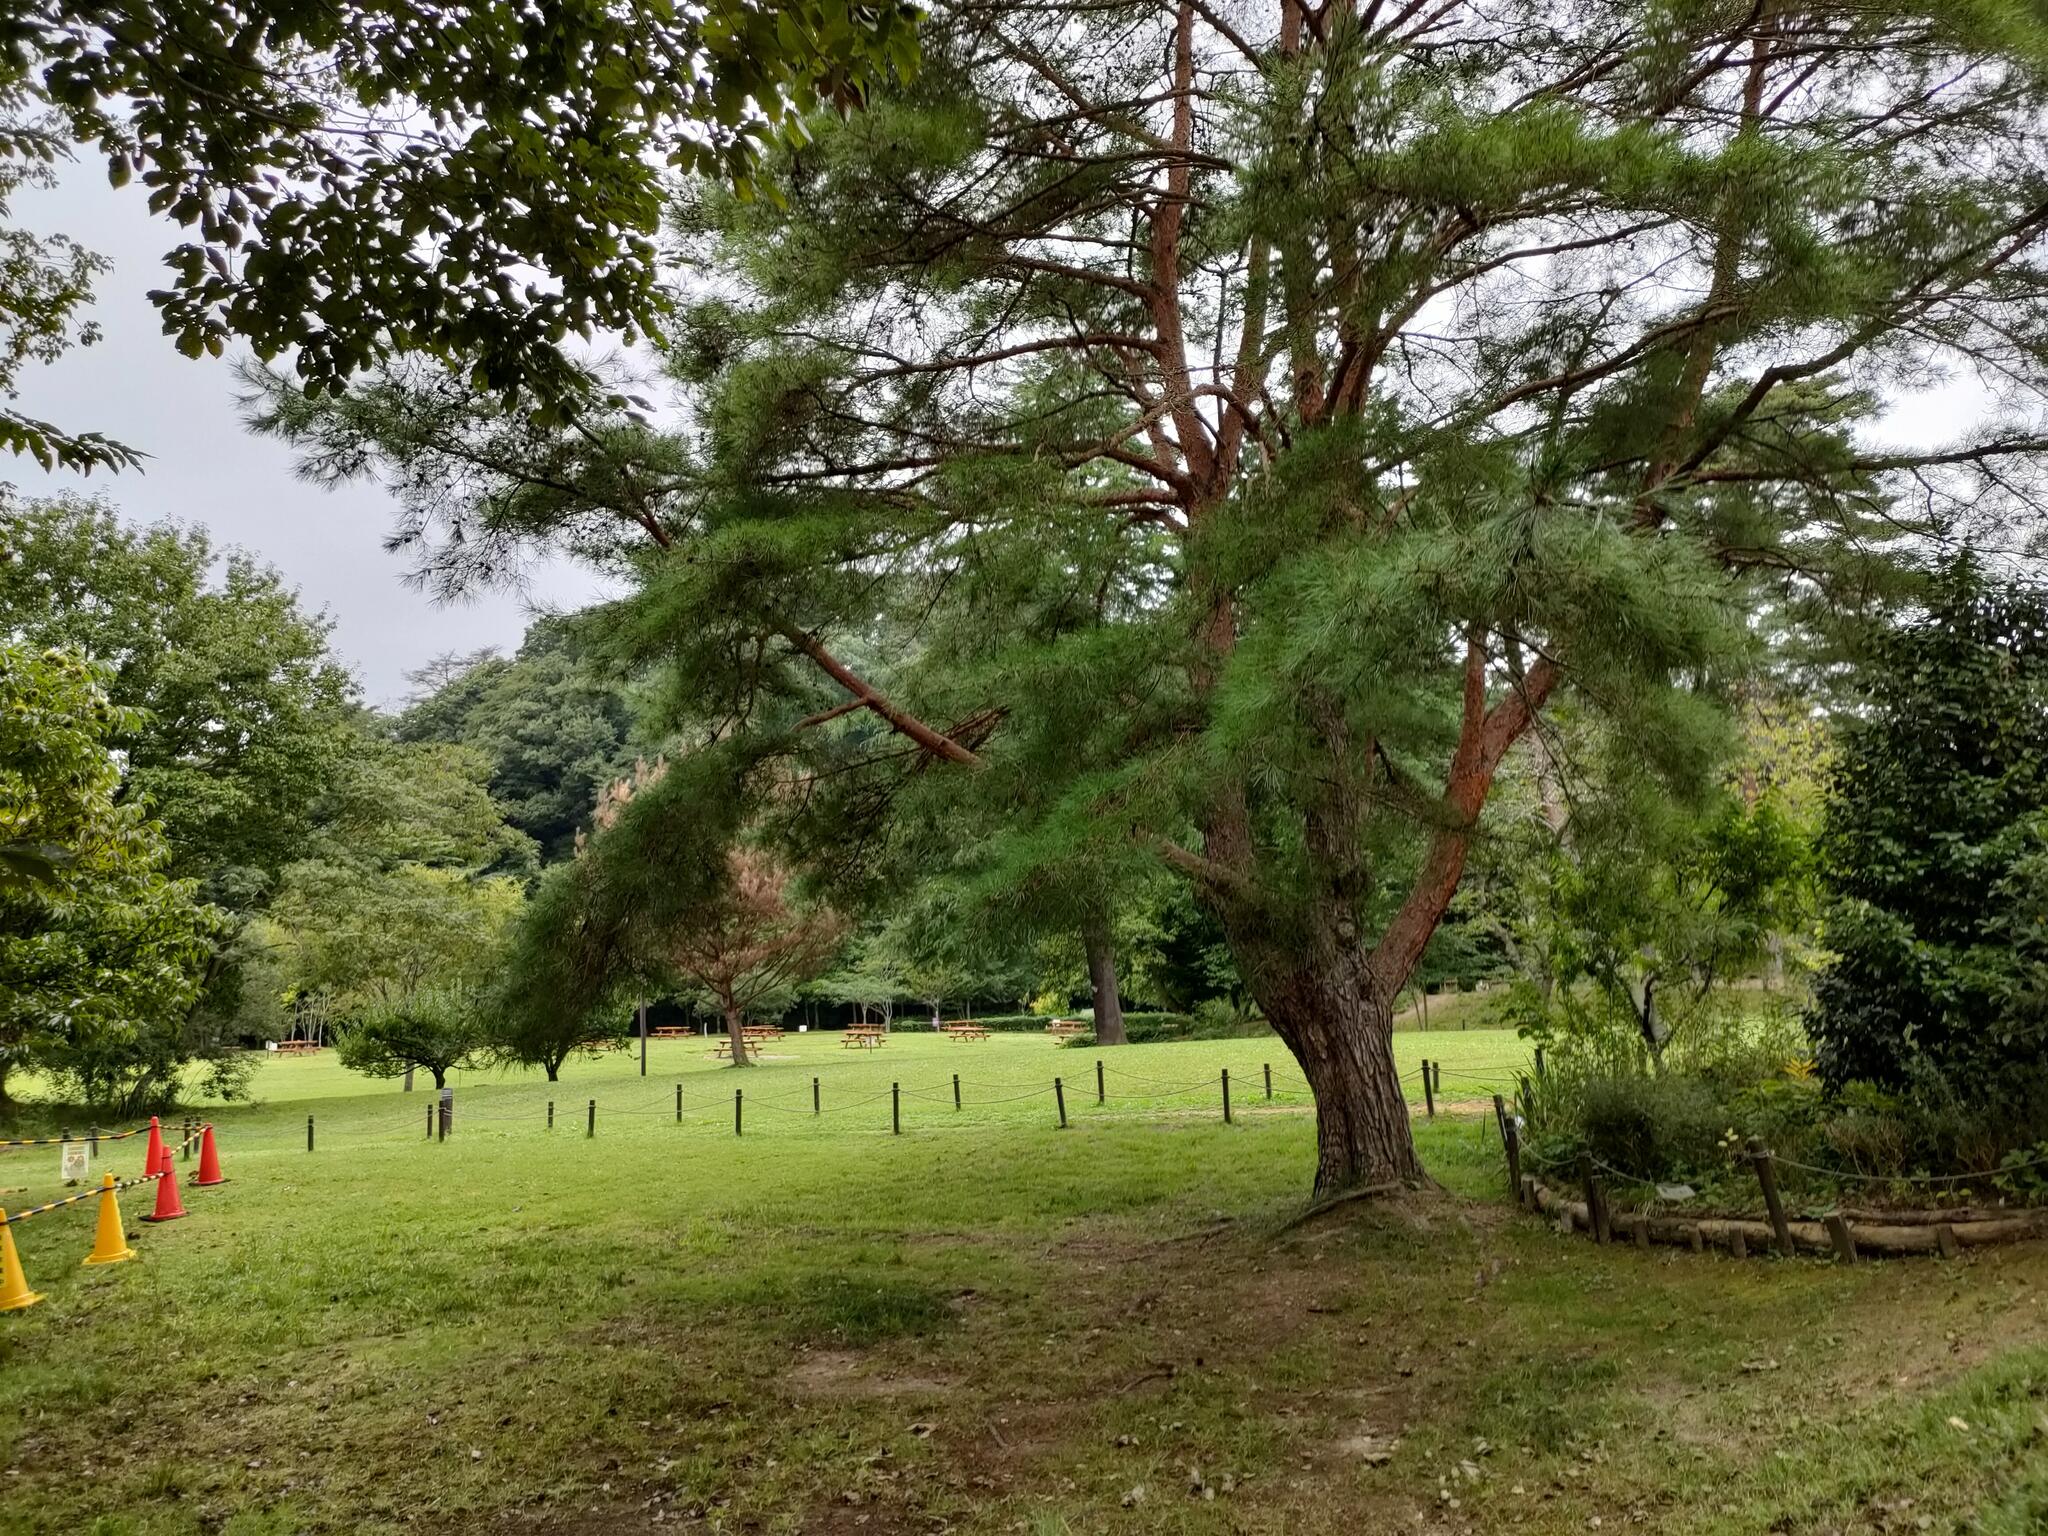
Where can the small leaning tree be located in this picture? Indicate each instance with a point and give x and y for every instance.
(1208, 437)
(723, 915)
(755, 942)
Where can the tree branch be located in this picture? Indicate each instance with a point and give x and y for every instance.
(935, 742)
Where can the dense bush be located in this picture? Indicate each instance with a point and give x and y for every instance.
(1655, 1126)
(1734, 1073)
(1934, 852)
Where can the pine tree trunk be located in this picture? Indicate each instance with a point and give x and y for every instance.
(735, 1031)
(1109, 1008)
(1322, 1000)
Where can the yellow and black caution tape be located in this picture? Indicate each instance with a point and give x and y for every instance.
(58, 1141)
(87, 1194)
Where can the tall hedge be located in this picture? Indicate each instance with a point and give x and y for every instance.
(1934, 851)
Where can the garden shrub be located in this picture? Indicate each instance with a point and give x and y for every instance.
(1656, 1126)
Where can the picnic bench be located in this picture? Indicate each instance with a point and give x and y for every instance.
(964, 1029)
(863, 1037)
(669, 1032)
(756, 1036)
(297, 1047)
(1065, 1029)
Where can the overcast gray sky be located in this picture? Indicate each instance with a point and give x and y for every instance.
(204, 468)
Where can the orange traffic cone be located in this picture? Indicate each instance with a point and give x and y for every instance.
(168, 1206)
(14, 1291)
(209, 1158)
(110, 1243)
(153, 1158)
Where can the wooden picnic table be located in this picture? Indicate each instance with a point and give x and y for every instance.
(861, 1037)
(964, 1029)
(296, 1047)
(1065, 1027)
(669, 1032)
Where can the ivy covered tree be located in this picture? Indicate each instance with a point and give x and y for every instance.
(102, 952)
(1249, 422)
(1934, 852)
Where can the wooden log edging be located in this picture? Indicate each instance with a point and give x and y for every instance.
(1907, 1232)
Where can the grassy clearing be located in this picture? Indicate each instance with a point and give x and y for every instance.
(981, 1325)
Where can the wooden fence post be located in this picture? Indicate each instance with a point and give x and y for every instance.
(1428, 1092)
(309, 1133)
(736, 1111)
(1226, 1095)
(1513, 1142)
(1844, 1239)
(1059, 1093)
(551, 1114)
(956, 1090)
(1269, 1078)
(1098, 1082)
(1767, 1176)
(814, 1096)
(430, 1122)
(679, 1103)
(896, 1109)
(590, 1127)
(1596, 1201)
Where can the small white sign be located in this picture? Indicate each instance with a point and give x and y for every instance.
(77, 1162)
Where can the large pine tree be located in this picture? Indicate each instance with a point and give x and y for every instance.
(1242, 420)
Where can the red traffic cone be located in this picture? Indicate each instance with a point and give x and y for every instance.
(153, 1158)
(168, 1206)
(209, 1158)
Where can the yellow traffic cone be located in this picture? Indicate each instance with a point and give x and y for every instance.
(110, 1244)
(14, 1291)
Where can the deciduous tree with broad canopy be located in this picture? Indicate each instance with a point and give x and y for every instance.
(370, 178)
(102, 953)
(1251, 417)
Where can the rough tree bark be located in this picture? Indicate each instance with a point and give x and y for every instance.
(1324, 1003)
(1109, 1008)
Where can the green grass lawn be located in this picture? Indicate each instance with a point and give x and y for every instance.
(982, 1325)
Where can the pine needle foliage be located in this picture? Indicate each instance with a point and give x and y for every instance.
(1205, 438)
